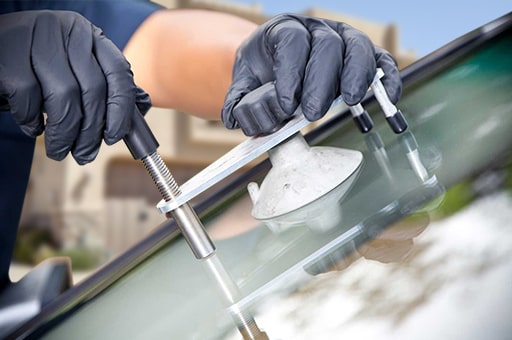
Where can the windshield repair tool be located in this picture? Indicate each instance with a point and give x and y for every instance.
(312, 172)
(175, 203)
(291, 184)
(254, 147)
(333, 166)
(143, 146)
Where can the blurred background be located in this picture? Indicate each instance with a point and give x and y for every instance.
(423, 25)
(95, 212)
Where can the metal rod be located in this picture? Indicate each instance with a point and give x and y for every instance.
(187, 220)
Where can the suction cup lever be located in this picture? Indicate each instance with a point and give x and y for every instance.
(143, 145)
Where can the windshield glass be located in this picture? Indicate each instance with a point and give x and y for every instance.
(407, 250)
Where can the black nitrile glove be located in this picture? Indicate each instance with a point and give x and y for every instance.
(311, 62)
(57, 62)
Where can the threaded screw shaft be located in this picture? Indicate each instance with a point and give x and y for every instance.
(162, 177)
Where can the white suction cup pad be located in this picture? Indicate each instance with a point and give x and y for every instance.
(301, 174)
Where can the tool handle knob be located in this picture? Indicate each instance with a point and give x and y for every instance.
(140, 140)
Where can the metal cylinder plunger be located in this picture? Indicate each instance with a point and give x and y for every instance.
(185, 217)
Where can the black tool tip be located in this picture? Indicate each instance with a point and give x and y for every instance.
(363, 122)
(397, 122)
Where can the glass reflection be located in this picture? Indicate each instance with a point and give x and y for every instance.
(392, 242)
(336, 233)
(229, 294)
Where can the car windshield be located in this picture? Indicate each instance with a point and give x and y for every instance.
(417, 246)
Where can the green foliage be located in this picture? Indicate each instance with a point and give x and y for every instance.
(35, 245)
(456, 198)
(28, 241)
(81, 258)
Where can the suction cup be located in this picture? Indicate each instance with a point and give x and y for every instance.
(301, 175)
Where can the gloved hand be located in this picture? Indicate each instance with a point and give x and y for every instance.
(292, 60)
(57, 62)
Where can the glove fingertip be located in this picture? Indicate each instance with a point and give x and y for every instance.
(32, 130)
(118, 122)
(353, 98)
(313, 111)
(354, 85)
(227, 115)
(56, 155)
(142, 100)
(113, 136)
(288, 105)
(394, 96)
(393, 89)
(112, 139)
(86, 159)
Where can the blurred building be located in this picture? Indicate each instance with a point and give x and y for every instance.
(110, 204)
